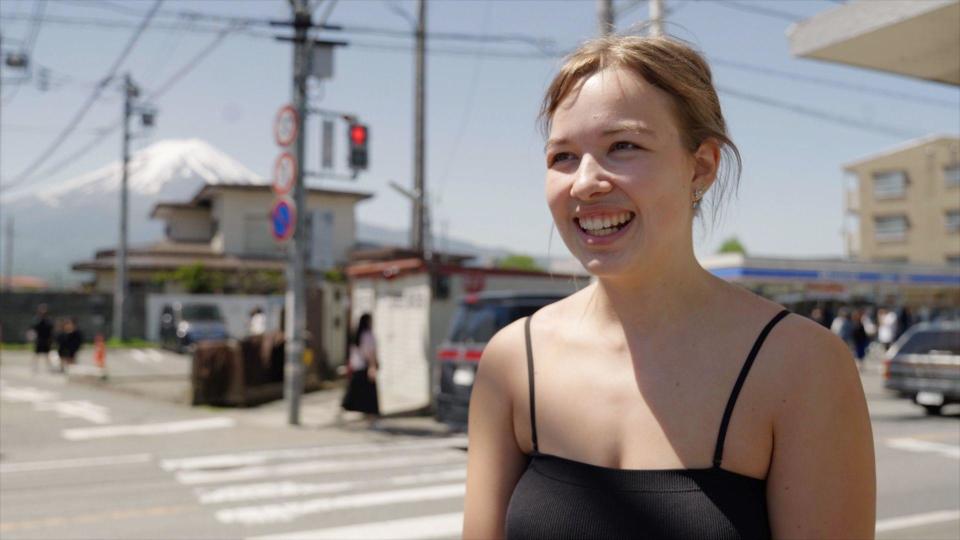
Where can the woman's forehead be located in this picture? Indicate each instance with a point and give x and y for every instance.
(614, 96)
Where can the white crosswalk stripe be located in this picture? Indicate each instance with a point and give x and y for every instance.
(386, 489)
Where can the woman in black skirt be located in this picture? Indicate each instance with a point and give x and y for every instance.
(361, 394)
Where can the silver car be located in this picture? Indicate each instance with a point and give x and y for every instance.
(924, 365)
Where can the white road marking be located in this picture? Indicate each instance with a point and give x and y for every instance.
(25, 394)
(91, 412)
(155, 355)
(313, 467)
(139, 356)
(917, 445)
(289, 511)
(916, 520)
(163, 428)
(260, 457)
(29, 466)
(277, 490)
(436, 526)
(44, 400)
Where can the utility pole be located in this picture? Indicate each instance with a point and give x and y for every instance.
(656, 18)
(8, 257)
(605, 17)
(296, 312)
(130, 92)
(419, 112)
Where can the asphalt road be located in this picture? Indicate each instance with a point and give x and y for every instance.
(87, 461)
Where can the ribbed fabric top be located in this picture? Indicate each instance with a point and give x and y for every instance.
(560, 498)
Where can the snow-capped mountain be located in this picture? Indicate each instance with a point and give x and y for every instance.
(58, 225)
(175, 167)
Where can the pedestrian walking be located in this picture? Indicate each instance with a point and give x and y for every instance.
(859, 337)
(69, 341)
(842, 326)
(659, 401)
(42, 332)
(258, 322)
(361, 395)
(887, 327)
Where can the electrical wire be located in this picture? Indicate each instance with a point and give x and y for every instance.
(109, 129)
(822, 115)
(78, 117)
(872, 90)
(29, 43)
(762, 10)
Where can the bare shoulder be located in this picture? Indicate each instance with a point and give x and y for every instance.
(501, 365)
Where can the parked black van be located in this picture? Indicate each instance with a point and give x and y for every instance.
(478, 318)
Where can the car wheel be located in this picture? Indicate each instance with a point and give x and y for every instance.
(933, 410)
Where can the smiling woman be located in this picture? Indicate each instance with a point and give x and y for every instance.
(637, 376)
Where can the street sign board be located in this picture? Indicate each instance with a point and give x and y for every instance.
(283, 220)
(284, 173)
(286, 126)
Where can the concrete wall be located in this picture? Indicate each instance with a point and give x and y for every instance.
(925, 203)
(189, 224)
(243, 219)
(94, 312)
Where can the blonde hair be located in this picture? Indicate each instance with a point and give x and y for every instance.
(672, 66)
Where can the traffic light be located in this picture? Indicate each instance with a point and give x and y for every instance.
(358, 136)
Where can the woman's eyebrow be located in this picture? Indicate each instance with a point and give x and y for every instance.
(554, 142)
(633, 127)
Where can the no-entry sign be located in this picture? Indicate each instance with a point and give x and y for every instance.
(284, 174)
(283, 220)
(286, 126)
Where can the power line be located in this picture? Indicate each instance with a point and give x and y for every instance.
(822, 115)
(762, 10)
(835, 83)
(75, 121)
(108, 130)
(30, 42)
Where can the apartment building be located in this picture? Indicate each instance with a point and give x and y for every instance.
(903, 204)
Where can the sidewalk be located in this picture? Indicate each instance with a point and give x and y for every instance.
(169, 381)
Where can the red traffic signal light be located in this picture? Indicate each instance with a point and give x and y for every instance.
(359, 137)
(358, 134)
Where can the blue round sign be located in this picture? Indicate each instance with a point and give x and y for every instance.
(283, 220)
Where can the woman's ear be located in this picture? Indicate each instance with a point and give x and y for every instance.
(706, 161)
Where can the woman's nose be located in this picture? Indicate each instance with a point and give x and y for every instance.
(591, 179)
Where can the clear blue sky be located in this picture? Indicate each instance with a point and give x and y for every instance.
(485, 163)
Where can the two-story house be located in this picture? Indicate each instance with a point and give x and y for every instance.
(226, 228)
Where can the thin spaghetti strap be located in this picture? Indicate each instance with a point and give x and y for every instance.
(718, 452)
(533, 401)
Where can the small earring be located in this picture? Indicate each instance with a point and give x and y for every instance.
(697, 195)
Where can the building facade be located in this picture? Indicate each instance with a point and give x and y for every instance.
(903, 205)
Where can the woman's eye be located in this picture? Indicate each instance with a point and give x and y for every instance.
(624, 145)
(560, 156)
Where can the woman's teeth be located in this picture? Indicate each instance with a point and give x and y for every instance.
(604, 225)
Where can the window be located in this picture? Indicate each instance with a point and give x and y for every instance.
(889, 184)
(951, 174)
(891, 228)
(953, 221)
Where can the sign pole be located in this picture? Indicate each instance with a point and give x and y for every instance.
(296, 290)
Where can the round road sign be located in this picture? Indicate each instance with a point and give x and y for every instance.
(284, 174)
(283, 218)
(286, 126)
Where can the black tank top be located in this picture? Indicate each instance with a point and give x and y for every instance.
(559, 498)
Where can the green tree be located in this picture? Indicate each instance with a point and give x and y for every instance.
(195, 278)
(518, 262)
(732, 245)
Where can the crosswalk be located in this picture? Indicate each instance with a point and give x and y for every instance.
(390, 490)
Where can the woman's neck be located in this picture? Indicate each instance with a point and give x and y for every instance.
(678, 292)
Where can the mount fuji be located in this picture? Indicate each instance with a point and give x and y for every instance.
(62, 224)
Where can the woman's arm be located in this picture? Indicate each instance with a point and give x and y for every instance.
(822, 480)
(494, 461)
